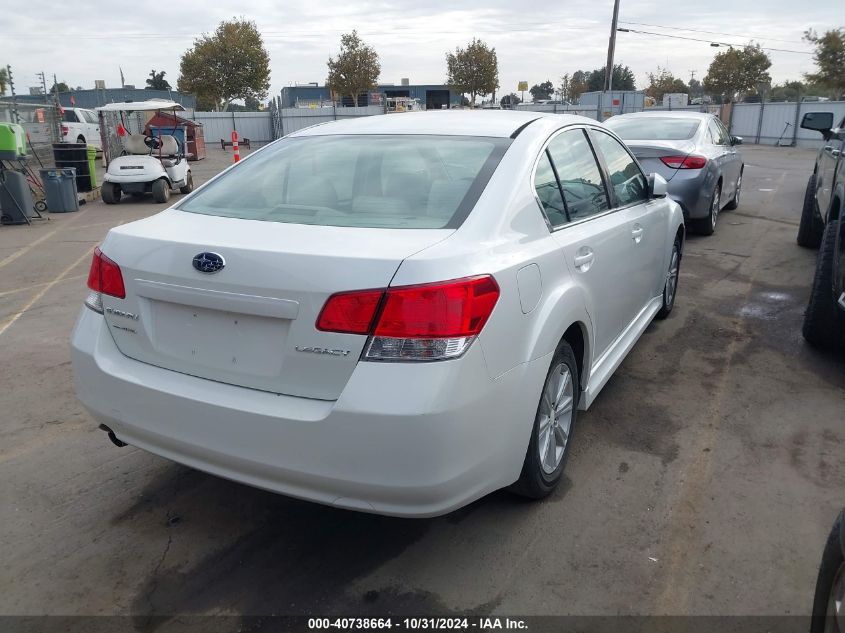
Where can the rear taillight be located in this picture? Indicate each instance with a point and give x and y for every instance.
(65, 130)
(684, 162)
(104, 278)
(427, 322)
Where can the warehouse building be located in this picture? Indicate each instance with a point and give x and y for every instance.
(430, 96)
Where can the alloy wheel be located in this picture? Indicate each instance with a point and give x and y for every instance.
(555, 418)
(714, 206)
(671, 278)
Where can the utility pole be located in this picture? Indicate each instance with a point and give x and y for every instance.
(14, 97)
(611, 48)
(44, 87)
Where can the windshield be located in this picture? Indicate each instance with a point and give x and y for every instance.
(652, 128)
(401, 181)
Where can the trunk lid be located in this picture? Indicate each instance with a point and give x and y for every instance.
(252, 323)
(650, 152)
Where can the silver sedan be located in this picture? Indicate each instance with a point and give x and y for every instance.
(696, 155)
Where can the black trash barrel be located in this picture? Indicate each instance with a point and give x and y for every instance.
(15, 198)
(74, 155)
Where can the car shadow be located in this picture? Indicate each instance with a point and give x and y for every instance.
(257, 553)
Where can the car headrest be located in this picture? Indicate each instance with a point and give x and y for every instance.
(169, 147)
(134, 144)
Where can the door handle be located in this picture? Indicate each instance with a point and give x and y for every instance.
(584, 259)
(835, 153)
(637, 233)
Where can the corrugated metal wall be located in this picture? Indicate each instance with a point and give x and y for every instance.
(256, 126)
(773, 123)
(294, 119)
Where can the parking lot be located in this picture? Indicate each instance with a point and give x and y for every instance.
(703, 480)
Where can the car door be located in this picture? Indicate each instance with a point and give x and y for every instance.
(92, 128)
(647, 218)
(593, 237)
(725, 156)
(829, 155)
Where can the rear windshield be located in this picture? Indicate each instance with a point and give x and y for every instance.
(653, 128)
(357, 181)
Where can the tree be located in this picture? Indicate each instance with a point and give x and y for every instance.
(510, 101)
(473, 70)
(4, 79)
(830, 60)
(543, 91)
(230, 64)
(663, 82)
(356, 68)
(737, 71)
(156, 81)
(60, 87)
(577, 85)
(695, 88)
(623, 78)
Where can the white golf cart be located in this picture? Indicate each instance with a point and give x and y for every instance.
(147, 163)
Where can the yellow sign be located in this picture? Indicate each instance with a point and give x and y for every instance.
(523, 85)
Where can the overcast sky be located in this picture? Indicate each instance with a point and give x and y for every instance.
(534, 40)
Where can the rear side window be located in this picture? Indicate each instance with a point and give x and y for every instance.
(69, 116)
(580, 178)
(717, 133)
(401, 181)
(627, 180)
(548, 191)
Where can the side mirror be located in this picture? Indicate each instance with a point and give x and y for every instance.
(818, 121)
(657, 186)
(736, 140)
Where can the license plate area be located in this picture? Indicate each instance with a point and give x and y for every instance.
(216, 343)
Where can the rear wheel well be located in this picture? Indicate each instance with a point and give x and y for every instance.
(574, 335)
(680, 236)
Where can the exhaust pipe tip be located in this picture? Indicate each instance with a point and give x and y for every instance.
(112, 436)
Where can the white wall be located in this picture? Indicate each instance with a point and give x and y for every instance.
(765, 124)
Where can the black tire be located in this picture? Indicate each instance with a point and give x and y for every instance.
(534, 482)
(189, 185)
(734, 203)
(823, 325)
(671, 291)
(41, 206)
(706, 226)
(80, 139)
(811, 227)
(161, 190)
(110, 192)
(831, 565)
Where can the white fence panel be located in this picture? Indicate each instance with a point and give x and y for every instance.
(590, 111)
(294, 119)
(256, 126)
(775, 123)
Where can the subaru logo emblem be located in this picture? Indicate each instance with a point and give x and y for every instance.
(209, 262)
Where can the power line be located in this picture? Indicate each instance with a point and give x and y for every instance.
(680, 28)
(712, 42)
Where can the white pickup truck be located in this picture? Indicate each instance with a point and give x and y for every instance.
(80, 125)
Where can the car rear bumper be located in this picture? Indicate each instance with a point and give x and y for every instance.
(691, 189)
(406, 440)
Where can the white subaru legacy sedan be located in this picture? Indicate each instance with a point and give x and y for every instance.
(395, 314)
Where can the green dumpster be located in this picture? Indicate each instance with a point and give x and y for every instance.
(92, 166)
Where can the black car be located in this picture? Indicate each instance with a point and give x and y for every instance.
(822, 227)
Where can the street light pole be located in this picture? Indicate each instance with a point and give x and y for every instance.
(611, 48)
